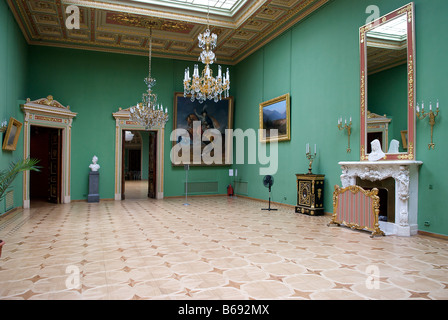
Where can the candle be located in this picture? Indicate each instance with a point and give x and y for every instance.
(196, 71)
(307, 148)
(437, 104)
(314, 148)
(430, 106)
(350, 118)
(423, 106)
(418, 107)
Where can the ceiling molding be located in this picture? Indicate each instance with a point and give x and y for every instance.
(121, 26)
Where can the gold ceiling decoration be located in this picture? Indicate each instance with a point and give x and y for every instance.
(126, 19)
(121, 26)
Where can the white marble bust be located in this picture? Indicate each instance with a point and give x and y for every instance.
(376, 153)
(394, 146)
(94, 166)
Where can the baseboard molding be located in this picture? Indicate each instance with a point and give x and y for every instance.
(267, 201)
(278, 203)
(432, 235)
(9, 212)
(195, 196)
(85, 200)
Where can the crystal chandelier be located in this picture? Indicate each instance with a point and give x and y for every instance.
(206, 86)
(148, 112)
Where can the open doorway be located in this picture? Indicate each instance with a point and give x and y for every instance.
(46, 145)
(139, 163)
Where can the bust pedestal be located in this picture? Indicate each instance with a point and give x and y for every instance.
(94, 183)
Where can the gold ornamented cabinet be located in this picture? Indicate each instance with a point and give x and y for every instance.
(310, 194)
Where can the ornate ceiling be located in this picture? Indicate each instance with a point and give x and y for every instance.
(122, 26)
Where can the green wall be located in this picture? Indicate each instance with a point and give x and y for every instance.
(317, 62)
(13, 63)
(96, 84)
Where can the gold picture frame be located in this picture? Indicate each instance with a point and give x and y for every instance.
(212, 115)
(275, 114)
(404, 138)
(12, 135)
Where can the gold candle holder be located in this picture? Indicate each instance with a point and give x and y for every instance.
(347, 127)
(432, 118)
(310, 157)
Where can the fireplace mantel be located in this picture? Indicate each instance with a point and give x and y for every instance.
(405, 174)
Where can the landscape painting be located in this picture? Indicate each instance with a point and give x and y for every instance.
(275, 114)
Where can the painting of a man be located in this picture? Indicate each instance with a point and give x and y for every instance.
(211, 115)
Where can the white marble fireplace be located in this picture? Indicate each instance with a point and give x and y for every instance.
(405, 174)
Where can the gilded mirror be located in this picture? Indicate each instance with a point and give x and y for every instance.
(387, 55)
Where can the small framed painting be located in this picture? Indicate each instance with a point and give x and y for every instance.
(275, 114)
(12, 135)
(404, 138)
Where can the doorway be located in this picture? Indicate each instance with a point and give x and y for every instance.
(46, 145)
(139, 164)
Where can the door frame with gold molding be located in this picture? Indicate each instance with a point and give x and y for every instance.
(122, 122)
(47, 112)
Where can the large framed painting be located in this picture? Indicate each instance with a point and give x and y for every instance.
(12, 134)
(199, 136)
(275, 114)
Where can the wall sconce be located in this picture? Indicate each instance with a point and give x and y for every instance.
(347, 127)
(432, 118)
(310, 156)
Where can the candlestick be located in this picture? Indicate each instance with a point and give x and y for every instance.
(347, 127)
(432, 119)
(310, 157)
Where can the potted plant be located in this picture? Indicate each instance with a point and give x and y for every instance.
(7, 176)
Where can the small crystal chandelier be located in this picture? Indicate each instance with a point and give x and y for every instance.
(206, 86)
(148, 112)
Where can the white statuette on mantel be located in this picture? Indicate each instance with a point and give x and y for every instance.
(394, 146)
(376, 153)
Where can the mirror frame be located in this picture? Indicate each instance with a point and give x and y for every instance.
(409, 11)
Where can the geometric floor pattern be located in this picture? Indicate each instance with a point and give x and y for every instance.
(215, 248)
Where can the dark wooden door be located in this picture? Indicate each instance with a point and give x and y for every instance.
(152, 163)
(55, 155)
